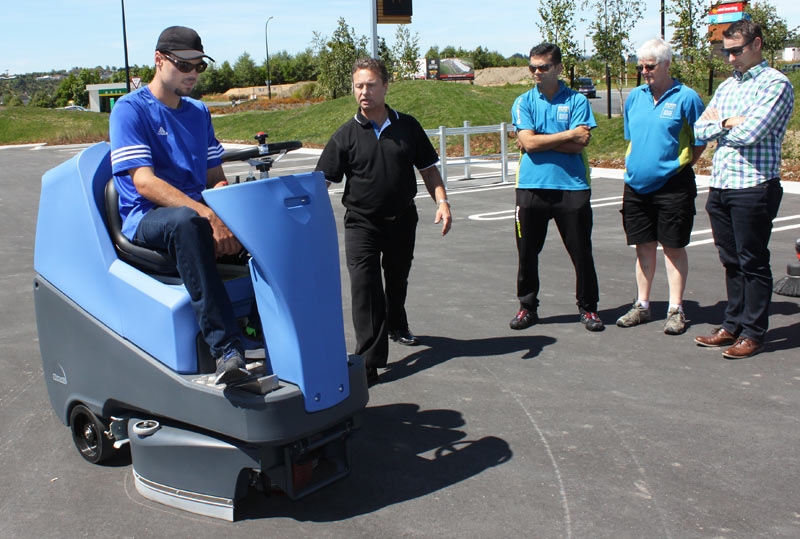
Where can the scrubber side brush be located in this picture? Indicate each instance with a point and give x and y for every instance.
(790, 285)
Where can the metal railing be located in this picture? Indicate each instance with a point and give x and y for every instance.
(443, 132)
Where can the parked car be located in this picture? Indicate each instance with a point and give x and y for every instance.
(586, 87)
(75, 107)
(788, 68)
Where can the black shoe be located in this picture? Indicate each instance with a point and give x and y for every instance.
(591, 321)
(524, 319)
(372, 376)
(403, 336)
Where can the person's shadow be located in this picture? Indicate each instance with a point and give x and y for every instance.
(400, 453)
(785, 337)
(435, 350)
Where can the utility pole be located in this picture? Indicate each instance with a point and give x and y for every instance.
(266, 41)
(125, 46)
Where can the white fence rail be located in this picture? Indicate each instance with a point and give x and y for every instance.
(468, 159)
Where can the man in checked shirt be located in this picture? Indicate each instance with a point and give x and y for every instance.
(747, 117)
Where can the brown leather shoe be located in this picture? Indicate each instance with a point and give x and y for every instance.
(718, 337)
(743, 348)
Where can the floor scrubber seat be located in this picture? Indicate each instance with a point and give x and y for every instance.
(148, 260)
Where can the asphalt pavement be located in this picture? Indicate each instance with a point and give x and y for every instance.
(481, 431)
(600, 103)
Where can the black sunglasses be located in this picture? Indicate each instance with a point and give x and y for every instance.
(184, 66)
(736, 51)
(543, 68)
(649, 67)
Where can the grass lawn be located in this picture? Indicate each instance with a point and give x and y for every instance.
(433, 103)
(20, 125)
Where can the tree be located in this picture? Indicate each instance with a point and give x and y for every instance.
(73, 88)
(245, 72)
(773, 28)
(610, 32)
(405, 52)
(42, 99)
(691, 42)
(225, 77)
(385, 54)
(557, 26)
(335, 58)
(433, 53)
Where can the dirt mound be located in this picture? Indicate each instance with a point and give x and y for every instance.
(499, 76)
(277, 90)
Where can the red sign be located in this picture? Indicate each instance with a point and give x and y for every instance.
(726, 8)
(135, 82)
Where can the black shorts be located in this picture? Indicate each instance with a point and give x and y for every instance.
(665, 215)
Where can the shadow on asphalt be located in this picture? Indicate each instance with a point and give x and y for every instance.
(401, 453)
(437, 350)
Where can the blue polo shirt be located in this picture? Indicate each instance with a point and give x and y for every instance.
(551, 169)
(661, 135)
(179, 144)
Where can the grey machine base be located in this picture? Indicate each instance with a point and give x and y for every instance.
(211, 444)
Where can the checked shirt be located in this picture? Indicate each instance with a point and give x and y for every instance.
(750, 153)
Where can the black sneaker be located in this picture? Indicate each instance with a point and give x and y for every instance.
(591, 321)
(403, 336)
(230, 367)
(524, 319)
(372, 376)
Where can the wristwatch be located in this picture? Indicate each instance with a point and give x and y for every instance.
(442, 201)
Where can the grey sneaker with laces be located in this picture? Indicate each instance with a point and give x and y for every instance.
(637, 315)
(676, 322)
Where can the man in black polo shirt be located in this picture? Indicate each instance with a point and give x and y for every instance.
(377, 151)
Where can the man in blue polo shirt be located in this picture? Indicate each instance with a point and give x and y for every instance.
(163, 155)
(658, 201)
(553, 129)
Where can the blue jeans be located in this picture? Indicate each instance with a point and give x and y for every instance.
(742, 223)
(189, 240)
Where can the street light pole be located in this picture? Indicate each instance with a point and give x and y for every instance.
(125, 46)
(266, 41)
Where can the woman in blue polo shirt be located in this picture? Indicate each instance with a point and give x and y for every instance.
(658, 202)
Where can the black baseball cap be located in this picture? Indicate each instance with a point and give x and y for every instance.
(181, 42)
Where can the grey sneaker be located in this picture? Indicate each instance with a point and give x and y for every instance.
(637, 315)
(230, 367)
(676, 322)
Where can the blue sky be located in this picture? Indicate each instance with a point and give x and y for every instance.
(37, 35)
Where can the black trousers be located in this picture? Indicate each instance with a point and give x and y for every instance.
(741, 220)
(372, 244)
(572, 213)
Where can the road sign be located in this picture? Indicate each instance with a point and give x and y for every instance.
(135, 82)
(726, 8)
(394, 11)
(722, 18)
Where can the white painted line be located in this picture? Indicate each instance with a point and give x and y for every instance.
(493, 216)
(781, 228)
(15, 146)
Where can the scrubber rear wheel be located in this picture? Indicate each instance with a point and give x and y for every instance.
(88, 434)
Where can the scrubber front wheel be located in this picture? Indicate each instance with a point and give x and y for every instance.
(88, 434)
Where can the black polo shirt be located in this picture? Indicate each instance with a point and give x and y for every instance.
(379, 171)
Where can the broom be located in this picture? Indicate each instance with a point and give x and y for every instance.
(790, 285)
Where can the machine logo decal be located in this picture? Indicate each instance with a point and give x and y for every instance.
(60, 379)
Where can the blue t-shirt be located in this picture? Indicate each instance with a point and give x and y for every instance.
(179, 144)
(551, 169)
(661, 135)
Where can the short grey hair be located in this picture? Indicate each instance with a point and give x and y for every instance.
(655, 49)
